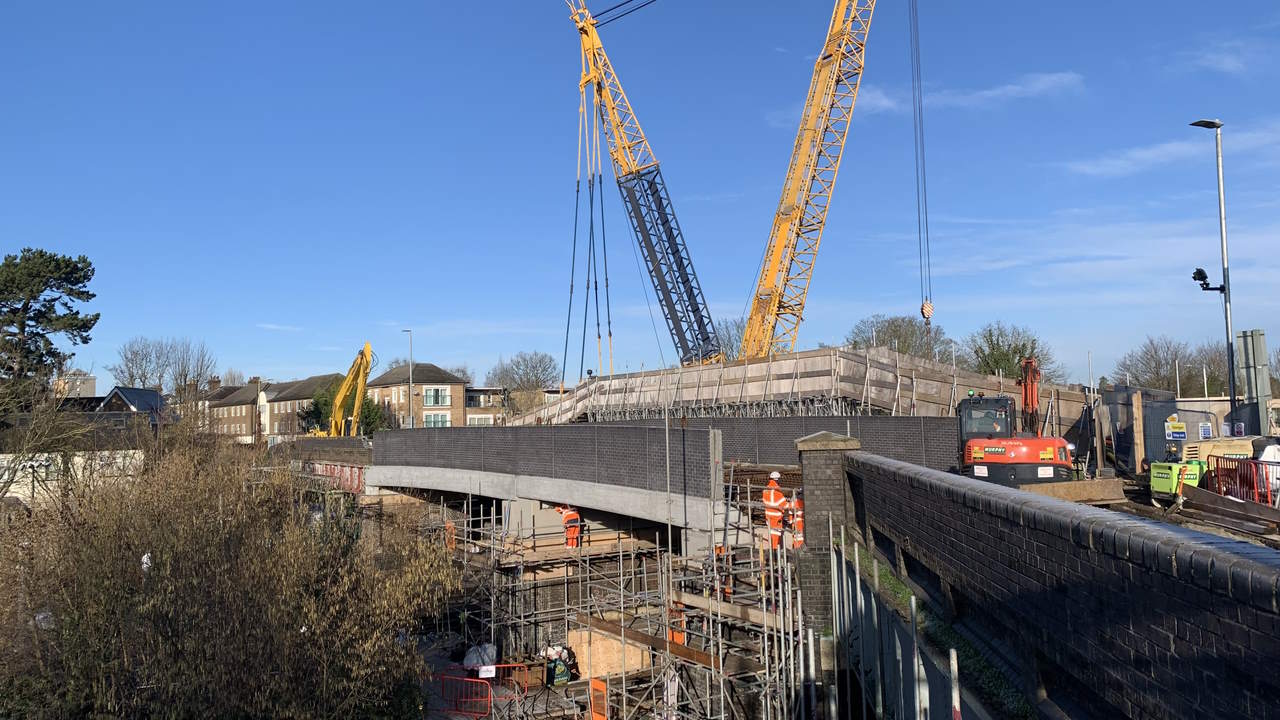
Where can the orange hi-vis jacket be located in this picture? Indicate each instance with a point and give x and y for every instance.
(572, 526)
(797, 521)
(775, 503)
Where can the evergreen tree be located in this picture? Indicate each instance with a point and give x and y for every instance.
(39, 291)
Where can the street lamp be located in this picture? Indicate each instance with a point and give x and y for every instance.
(1225, 288)
(410, 376)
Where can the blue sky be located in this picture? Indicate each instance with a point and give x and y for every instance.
(286, 180)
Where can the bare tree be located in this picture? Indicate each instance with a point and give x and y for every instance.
(1000, 348)
(1275, 372)
(729, 334)
(232, 376)
(191, 364)
(526, 371)
(903, 333)
(143, 362)
(201, 551)
(463, 371)
(397, 362)
(181, 366)
(1166, 363)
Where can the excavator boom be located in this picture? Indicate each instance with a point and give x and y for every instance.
(777, 307)
(349, 400)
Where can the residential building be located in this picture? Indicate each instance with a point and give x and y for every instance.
(238, 414)
(76, 384)
(290, 398)
(486, 405)
(262, 409)
(214, 391)
(439, 396)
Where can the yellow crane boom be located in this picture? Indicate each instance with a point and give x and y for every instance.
(646, 199)
(349, 399)
(777, 307)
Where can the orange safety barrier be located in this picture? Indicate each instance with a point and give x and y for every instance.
(599, 699)
(515, 676)
(1268, 474)
(466, 696)
(1245, 479)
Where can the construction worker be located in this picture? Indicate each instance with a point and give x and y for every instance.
(797, 521)
(775, 504)
(572, 526)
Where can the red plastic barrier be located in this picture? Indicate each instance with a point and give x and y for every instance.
(466, 696)
(1245, 479)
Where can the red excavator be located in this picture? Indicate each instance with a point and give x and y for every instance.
(991, 450)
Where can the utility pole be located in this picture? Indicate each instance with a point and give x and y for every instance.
(410, 377)
(1216, 126)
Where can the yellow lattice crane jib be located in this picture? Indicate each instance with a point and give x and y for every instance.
(644, 196)
(344, 419)
(777, 306)
(628, 147)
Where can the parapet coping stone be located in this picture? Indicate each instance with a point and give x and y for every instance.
(827, 440)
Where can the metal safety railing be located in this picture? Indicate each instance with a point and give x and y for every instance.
(1245, 479)
(465, 696)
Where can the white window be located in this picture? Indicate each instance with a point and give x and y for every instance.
(475, 420)
(435, 420)
(435, 397)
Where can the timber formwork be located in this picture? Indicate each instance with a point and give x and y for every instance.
(823, 382)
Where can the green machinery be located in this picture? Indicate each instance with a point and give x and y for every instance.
(1168, 478)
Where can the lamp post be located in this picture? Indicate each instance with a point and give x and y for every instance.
(1225, 288)
(410, 376)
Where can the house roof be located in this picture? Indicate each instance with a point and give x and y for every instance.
(303, 389)
(243, 395)
(424, 373)
(220, 392)
(138, 399)
(81, 404)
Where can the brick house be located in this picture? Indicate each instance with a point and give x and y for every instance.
(236, 413)
(439, 396)
(290, 398)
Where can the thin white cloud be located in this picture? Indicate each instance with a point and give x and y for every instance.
(1031, 85)
(873, 99)
(1233, 56)
(1146, 157)
(276, 327)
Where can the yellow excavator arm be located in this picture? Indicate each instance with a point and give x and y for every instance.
(349, 399)
(777, 307)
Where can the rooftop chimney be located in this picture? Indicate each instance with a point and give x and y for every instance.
(215, 382)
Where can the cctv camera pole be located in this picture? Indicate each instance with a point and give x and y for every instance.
(1226, 275)
(1216, 126)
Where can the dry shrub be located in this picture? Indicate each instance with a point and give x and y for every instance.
(244, 606)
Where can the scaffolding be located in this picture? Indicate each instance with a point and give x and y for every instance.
(822, 382)
(662, 622)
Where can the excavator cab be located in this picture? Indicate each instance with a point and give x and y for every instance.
(991, 450)
(984, 417)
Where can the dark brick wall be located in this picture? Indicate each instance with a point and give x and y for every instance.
(614, 455)
(929, 441)
(353, 451)
(826, 493)
(1127, 617)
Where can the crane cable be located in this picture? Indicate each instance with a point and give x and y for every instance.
(922, 186)
(573, 257)
(589, 122)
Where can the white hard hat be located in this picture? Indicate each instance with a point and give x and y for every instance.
(775, 475)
